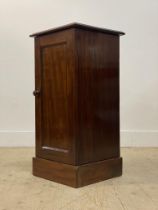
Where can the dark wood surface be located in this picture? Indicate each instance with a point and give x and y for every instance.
(55, 114)
(79, 26)
(55, 171)
(77, 176)
(77, 100)
(98, 96)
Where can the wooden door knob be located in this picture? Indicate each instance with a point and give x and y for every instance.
(36, 92)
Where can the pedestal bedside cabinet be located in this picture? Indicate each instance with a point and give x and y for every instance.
(77, 104)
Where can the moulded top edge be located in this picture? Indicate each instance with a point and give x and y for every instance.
(77, 25)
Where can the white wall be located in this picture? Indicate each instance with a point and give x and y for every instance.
(139, 62)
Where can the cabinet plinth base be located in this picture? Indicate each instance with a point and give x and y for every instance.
(77, 176)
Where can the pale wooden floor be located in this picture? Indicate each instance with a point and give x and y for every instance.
(137, 189)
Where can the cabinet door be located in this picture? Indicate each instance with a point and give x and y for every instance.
(54, 105)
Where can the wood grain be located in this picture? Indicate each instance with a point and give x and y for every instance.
(98, 96)
(55, 106)
(77, 101)
(79, 26)
(77, 176)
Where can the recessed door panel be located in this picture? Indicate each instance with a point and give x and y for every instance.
(55, 99)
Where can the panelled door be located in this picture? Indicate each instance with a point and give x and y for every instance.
(54, 92)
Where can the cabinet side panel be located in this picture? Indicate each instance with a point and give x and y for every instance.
(98, 96)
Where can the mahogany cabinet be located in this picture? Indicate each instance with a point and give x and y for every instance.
(77, 104)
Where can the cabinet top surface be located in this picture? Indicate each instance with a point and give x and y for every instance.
(77, 25)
